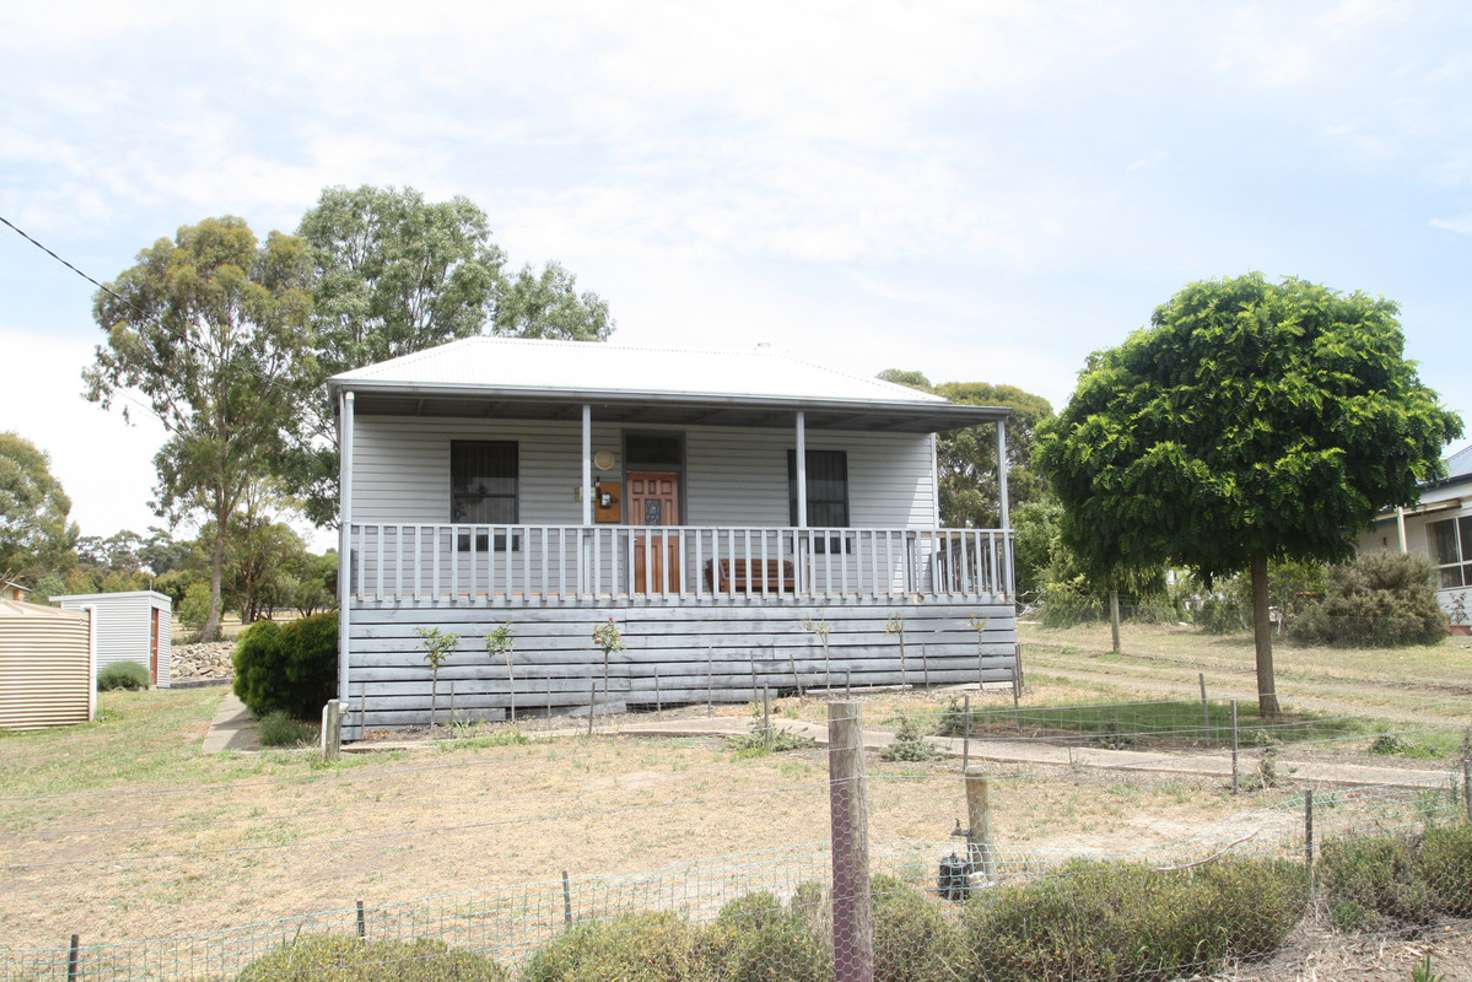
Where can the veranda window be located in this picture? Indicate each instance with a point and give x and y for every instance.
(483, 488)
(1451, 550)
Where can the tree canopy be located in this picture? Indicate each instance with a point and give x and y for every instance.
(967, 458)
(394, 274)
(1250, 421)
(213, 329)
(35, 535)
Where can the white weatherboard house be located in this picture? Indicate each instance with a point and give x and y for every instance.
(1439, 527)
(727, 510)
(131, 626)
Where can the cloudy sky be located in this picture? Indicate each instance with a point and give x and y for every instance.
(984, 192)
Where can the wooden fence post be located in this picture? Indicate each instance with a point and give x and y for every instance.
(1205, 711)
(73, 958)
(566, 900)
(853, 914)
(331, 729)
(362, 922)
(1234, 747)
(979, 822)
(1114, 621)
(966, 734)
(1467, 777)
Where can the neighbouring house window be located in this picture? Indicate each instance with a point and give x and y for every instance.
(484, 476)
(827, 492)
(1451, 550)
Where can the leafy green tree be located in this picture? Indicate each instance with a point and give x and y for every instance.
(1039, 531)
(967, 458)
(161, 553)
(212, 328)
(395, 274)
(35, 536)
(1251, 421)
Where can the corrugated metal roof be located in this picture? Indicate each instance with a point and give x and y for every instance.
(162, 598)
(1459, 464)
(15, 608)
(549, 367)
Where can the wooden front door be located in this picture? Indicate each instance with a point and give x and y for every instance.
(654, 500)
(153, 644)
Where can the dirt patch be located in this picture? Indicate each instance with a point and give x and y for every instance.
(1318, 955)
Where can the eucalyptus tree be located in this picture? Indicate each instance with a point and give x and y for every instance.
(212, 329)
(394, 273)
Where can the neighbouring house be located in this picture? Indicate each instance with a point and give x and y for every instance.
(11, 590)
(729, 511)
(47, 659)
(131, 626)
(1438, 527)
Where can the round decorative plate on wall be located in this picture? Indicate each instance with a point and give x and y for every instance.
(604, 460)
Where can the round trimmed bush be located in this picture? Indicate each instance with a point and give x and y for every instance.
(1093, 919)
(756, 939)
(289, 668)
(913, 939)
(333, 958)
(123, 675)
(1445, 864)
(646, 947)
(1375, 883)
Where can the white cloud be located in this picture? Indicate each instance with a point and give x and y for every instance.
(1462, 225)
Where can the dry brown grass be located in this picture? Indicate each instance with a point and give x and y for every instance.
(125, 849)
(124, 829)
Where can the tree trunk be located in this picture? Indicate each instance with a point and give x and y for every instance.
(1262, 633)
(1114, 618)
(211, 629)
(434, 697)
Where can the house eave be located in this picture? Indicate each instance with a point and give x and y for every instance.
(383, 397)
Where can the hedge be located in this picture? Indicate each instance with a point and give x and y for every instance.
(289, 668)
(334, 958)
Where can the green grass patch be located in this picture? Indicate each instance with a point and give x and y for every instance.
(1124, 725)
(280, 730)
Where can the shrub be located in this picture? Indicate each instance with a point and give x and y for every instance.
(755, 939)
(123, 675)
(913, 939)
(1378, 600)
(1445, 865)
(909, 744)
(1222, 615)
(280, 730)
(290, 669)
(1114, 920)
(194, 608)
(1374, 883)
(646, 947)
(334, 958)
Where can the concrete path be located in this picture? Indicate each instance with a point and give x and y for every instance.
(234, 728)
(1029, 752)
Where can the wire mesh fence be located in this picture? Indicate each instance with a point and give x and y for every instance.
(1326, 866)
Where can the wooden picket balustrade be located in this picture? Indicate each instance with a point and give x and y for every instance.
(399, 563)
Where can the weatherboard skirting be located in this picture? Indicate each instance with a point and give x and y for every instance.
(721, 652)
